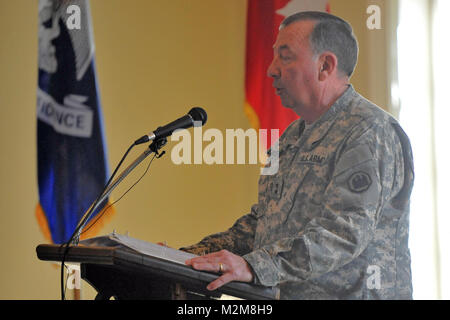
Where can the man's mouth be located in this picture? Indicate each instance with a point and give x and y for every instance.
(279, 90)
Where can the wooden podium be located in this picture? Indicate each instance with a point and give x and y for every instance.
(122, 273)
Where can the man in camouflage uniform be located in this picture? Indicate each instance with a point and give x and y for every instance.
(333, 222)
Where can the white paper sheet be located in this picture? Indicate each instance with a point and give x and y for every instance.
(144, 247)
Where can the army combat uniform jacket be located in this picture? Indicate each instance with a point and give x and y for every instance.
(333, 222)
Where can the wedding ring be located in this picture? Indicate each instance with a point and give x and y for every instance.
(220, 267)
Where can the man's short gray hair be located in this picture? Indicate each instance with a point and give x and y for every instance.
(330, 33)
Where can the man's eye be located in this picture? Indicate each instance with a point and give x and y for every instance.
(48, 24)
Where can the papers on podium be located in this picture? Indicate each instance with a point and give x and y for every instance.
(147, 248)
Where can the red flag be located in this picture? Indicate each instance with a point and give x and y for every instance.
(263, 107)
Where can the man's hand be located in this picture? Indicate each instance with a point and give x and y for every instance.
(231, 266)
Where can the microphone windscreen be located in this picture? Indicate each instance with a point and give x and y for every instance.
(198, 114)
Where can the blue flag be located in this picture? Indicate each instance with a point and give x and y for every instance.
(72, 162)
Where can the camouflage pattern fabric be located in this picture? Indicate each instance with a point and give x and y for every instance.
(333, 222)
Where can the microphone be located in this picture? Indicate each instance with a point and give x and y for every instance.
(187, 121)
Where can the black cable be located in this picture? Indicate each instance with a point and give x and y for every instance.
(81, 223)
(154, 147)
(110, 205)
(66, 245)
(67, 278)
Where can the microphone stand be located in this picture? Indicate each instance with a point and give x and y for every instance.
(153, 148)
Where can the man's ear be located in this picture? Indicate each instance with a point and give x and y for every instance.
(328, 64)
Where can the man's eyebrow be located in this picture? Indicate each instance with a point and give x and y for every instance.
(282, 47)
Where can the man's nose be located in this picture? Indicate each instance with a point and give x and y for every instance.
(273, 71)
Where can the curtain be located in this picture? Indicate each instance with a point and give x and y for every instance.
(422, 42)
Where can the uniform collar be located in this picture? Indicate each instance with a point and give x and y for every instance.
(320, 127)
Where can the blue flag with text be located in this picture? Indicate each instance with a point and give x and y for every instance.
(72, 162)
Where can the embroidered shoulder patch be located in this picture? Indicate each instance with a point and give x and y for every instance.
(359, 182)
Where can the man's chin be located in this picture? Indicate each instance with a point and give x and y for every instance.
(290, 106)
(286, 104)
